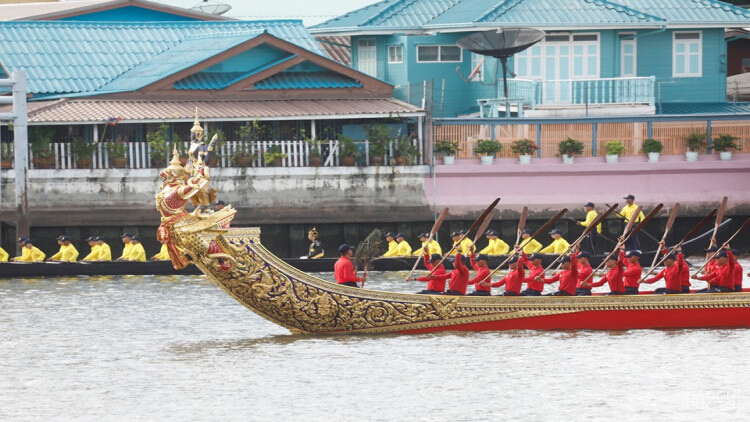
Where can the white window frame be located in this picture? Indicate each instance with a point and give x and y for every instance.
(401, 55)
(622, 54)
(523, 73)
(675, 41)
(440, 53)
(586, 55)
(476, 59)
(374, 62)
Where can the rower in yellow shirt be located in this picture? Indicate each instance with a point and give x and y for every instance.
(558, 245)
(392, 245)
(627, 214)
(3, 255)
(67, 252)
(593, 235)
(531, 246)
(127, 239)
(30, 253)
(137, 253)
(105, 253)
(404, 248)
(94, 254)
(499, 247)
(163, 254)
(465, 247)
(433, 248)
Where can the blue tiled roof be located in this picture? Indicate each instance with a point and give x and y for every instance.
(424, 15)
(307, 80)
(84, 57)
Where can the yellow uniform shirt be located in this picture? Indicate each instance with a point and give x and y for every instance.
(126, 251)
(93, 255)
(59, 254)
(464, 248)
(434, 248)
(404, 248)
(531, 247)
(558, 246)
(3, 255)
(501, 248)
(490, 249)
(628, 211)
(105, 253)
(392, 249)
(69, 253)
(590, 217)
(163, 254)
(137, 253)
(32, 254)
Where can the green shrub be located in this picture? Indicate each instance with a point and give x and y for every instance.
(487, 147)
(652, 145)
(614, 147)
(570, 147)
(724, 143)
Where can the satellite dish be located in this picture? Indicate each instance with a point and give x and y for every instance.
(211, 7)
(501, 44)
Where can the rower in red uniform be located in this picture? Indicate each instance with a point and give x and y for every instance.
(513, 280)
(616, 265)
(343, 269)
(481, 286)
(670, 274)
(533, 287)
(568, 278)
(584, 271)
(459, 277)
(631, 277)
(737, 271)
(711, 266)
(722, 280)
(435, 282)
(685, 277)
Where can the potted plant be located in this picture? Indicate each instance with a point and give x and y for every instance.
(6, 151)
(314, 157)
(486, 149)
(695, 141)
(82, 151)
(348, 151)
(652, 148)
(242, 156)
(117, 152)
(524, 148)
(448, 150)
(406, 151)
(273, 156)
(41, 146)
(568, 149)
(613, 150)
(157, 142)
(724, 145)
(378, 136)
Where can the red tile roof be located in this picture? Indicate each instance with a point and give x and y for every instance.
(337, 48)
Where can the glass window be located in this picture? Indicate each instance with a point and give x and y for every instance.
(395, 54)
(450, 53)
(438, 53)
(687, 54)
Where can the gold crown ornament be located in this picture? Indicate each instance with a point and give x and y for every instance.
(313, 232)
(197, 129)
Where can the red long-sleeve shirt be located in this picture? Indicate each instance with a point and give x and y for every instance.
(433, 282)
(459, 277)
(632, 274)
(685, 274)
(723, 275)
(737, 274)
(533, 273)
(584, 271)
(482, 273)
(343, 270)
(568, 279)
(671, 275)
(513, 280)
(614, 276)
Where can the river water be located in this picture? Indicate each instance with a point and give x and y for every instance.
(178, 348)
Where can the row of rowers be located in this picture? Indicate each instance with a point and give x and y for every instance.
(100, 251)
(398, 246)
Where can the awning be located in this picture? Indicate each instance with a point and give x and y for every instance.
(82, 111)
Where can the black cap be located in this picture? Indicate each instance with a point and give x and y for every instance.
(462, 231)
(712, 249)
(91, 238)
(584, 254)
(633, 252)
(435, 257)
(60, 237)
(66, 238)
(220, 203)
(22, 239)
(513, 260)
(481, 257)
(555, 231)
(425, 235)
(389, 234)
(494, 233)
(137, 238)
(536, 256)
(526, 231)
(456, 233)
(27, 241)
(124, 235)
(566, 258)
(612, 257)
(722, 254)
(97, 238)
(629, 197)
(735, 252)
(345, 247)
(401, 235)
(673, 256)
(590, 204)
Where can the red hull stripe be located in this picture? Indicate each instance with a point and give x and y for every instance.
(613, 320)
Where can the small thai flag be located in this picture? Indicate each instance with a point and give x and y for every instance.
(112, 120)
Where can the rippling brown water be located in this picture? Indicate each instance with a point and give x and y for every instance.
(168, 348)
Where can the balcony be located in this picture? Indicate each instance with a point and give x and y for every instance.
(572, 97)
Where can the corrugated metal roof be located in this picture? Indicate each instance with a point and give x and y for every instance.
(691, 11)
(51, 9)
(74, 57)
(355, 17)
(307, 80)
(81, 110)
(705, 108)
(410, 13)
(561, 12)
(337, 48)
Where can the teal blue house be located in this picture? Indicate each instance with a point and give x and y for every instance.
(605, 57)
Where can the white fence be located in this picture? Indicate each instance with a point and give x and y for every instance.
(138, 154)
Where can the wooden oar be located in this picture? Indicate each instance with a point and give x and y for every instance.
(690, 234)
(742, 227)
(435, 228)
(474, 225)
(599, 218)
(521, 224)
(636, 217)
(670, 222)
(541, 230)
(481, 230)
(627, 234)
(719, 218)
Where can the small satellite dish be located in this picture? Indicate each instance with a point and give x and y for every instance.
(501, 44)
(211, 7)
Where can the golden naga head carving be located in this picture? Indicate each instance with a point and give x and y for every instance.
(175, 169)
(196, 130)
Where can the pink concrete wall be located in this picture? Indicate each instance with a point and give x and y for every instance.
(548, 185)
